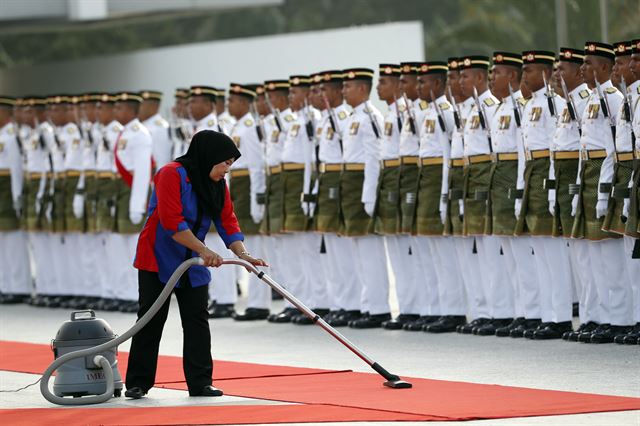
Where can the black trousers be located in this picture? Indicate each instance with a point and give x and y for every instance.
(196, 346)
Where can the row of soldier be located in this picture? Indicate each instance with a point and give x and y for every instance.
(497, 193)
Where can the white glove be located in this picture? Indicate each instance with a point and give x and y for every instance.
(443, 212)
(17, 206)
(38, 205)
(574, 205)
(625, 207)
(369, 208)
(311, 207)
(461, 207)
(136, 217)
(601, 208)
(257, 213)
(517, 208)
(552, 207)
(78, 206)
(305, 208)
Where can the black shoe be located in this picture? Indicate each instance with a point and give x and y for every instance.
(631, 338)
(344, 318)
(302, 319)
(370, 321)
(398, 322)
(135, 393)
(468, 328)
(422, 321)
(554, 330)
(206, 391)
(446, 324)
(222, 311)
(12, 299)
(608, 334)
(252, 314)
(572, 336)
(112, 305)
(284, 316)
(505, 331)
(333, 314)
(489, 329)
(128, 307)
(585, 336)
(528, 334)
(527, 325)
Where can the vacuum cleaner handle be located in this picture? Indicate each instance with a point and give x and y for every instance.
(101, 361)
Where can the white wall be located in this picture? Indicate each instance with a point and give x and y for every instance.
(218, 63)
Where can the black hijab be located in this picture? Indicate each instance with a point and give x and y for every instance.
(208, 148)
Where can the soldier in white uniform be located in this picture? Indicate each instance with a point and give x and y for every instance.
(611, 307)
(180, 126)
(436, 127)
(343, 285)
(478, 159)
(565, 160)
(630, 208)
(388, 211)
(358, 191)
(223, 292)
(539, 118)
(106, 134)
(157, 126)
(132, 156)
(520, 296)
(247, 188)
(15, 278)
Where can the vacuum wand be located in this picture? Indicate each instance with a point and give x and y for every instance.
(392, 380)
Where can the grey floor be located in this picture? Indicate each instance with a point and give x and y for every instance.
(606, 369)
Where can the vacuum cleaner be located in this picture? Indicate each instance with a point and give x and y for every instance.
(85, 348)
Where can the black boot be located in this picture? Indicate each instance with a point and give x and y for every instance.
(422, 321)
(398, 322)
(468, 328)
(585, 337)
(252, 314)
(446, 324)
(525, 327)
(572, 336)
(607, 335)
(222, 311)
(554, 330)
(505, 331)
(284, 316)
(370, 321)
(490, 328)
(343, 319)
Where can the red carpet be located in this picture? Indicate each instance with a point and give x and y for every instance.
(233, 414)
(351, 396)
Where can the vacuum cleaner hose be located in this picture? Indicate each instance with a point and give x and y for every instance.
(101, 361)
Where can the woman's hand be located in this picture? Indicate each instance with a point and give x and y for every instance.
(210, 257)
(252, 260)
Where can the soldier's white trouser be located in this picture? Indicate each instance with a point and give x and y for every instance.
(554, 274)
(425, 284)
(401, 257)
(576, 273)
(106, 259)
(611, 279)
(633, 272)
(125, 276)
(58, 262)
(450, 284)
(15, 272)
(46, 278)
(73, 273)
(472, 277)
(371, 263)
(294, 276)
(344, 286)
(316, 292)
(222, 287)
(497, 288)
(523, 275)
(87, 261)
(259, 292)
(589, 302)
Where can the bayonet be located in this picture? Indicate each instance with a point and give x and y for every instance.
(457, 115)
(275, 112)
(604, 104)
(483, 118)
(258, 120)
(571, 106)
(628, 115)
(374, 123)
(398, 116)
(550, 97)
(441, 122)
(412, 119)
(517, 114)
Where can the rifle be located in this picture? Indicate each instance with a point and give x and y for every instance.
(412, 117)
(550, 97)
(395, 102)
(604, 104)
(309, 121)
(18, 138)
(441, 122)
(571, 107)
(483, 119)
(374, 124)
(517, 114)
(333, 120)
(256, 117)
(275, 112)
(457, 114)
(628, 115)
